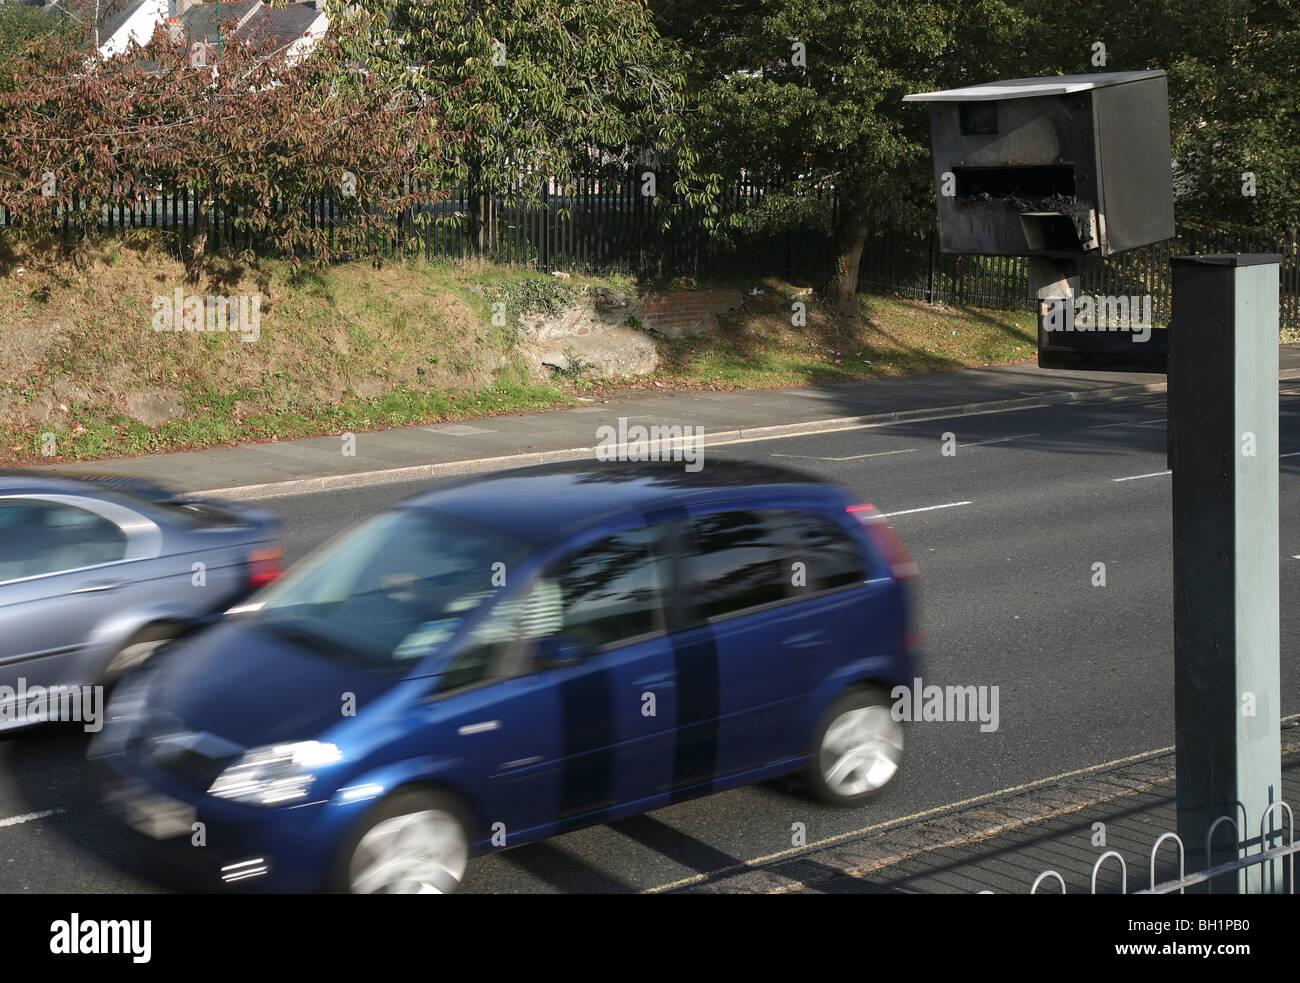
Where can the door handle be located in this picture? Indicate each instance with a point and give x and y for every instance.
(659, 680)
(96, 588)
(805, 640)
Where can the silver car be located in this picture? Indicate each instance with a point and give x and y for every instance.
(96, 573)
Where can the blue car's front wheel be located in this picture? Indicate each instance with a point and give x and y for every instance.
(414, 842)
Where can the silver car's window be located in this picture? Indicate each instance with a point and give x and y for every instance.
(38, 538)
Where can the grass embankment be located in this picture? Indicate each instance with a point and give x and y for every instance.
(355, 348)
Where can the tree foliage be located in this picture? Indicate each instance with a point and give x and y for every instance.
(803, 96)
(22, 26)
(253, 136)
(545, 87)
(806, 95)
(1234, 93)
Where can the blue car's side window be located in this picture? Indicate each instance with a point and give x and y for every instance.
(516, 622)
(612, 590)
(737, 561)
(601, 596)
(742, 559)
(829, 558)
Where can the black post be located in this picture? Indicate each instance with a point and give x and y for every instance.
(544, 252)
(929, 293)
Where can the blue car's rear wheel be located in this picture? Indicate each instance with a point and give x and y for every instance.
(415, 842)
(857, 748)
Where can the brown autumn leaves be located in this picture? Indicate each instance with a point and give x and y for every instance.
(262, 138)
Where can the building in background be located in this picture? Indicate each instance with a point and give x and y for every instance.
(296, 27)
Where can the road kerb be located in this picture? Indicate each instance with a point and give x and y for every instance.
(860, 856)
(316, 483)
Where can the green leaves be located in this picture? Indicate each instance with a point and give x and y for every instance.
(1234, 89)
(543, 85)
(22, 27)
(806, 93)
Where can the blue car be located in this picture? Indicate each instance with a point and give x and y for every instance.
(514, 657)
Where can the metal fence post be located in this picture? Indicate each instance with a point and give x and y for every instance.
(929, 293)
(544, 247)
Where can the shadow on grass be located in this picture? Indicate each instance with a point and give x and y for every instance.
(741, 337)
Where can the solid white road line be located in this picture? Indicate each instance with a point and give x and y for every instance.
(903, 820)
(928, 508)
(752, 435)
(1135, 477)
(1128, 423)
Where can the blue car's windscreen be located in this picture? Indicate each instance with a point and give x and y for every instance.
(389, 592)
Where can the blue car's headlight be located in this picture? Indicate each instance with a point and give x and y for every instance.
(278, 773)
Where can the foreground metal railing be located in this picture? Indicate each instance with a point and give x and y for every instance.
(1270, 860)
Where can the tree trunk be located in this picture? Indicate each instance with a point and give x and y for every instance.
(850, 240)
(474, 193)
(478, 221)
(486, 224)
(198, 245)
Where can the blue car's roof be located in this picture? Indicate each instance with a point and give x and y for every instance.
(546, 503)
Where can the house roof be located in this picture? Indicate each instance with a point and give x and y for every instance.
(284, 24)
(1027, 88)
(113, 14)
(200, 22)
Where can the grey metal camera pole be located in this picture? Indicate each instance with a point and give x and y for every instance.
(1053, 279)
(1223, 448)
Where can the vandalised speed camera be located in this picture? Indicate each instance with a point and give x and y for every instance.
(1056, 169)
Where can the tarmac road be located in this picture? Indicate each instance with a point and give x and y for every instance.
(1005, 534)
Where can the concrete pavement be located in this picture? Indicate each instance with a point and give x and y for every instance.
(1002, 842)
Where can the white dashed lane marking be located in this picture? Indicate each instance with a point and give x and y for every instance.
(998, 440)
(851, 457)
(28, 817)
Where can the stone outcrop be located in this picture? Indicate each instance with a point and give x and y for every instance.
(613, 334)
